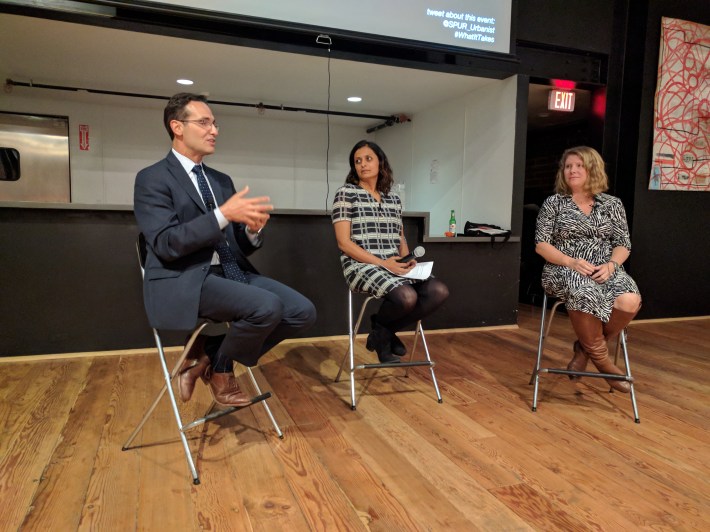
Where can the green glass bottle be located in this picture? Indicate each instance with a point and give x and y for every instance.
(452, 223)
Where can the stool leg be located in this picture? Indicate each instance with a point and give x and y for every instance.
(351, 349)
(173, 403)
(419, 331)
(431, 365)
(350, 353)
(622, 340)
(535, 378)
(266, 406)
(617, 349)
(342, 363)
(414, 347)
(350, 337)
(540, 340)
(353, 333)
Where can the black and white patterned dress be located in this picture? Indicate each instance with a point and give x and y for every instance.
(374, 226)
(592, 238)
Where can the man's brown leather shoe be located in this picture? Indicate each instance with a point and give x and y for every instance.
(225, 390)
(196, 365)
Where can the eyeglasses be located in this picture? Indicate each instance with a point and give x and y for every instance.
(203, 123)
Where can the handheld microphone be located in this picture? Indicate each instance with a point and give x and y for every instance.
(415, 254)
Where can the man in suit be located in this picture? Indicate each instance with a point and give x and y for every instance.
(199, 232)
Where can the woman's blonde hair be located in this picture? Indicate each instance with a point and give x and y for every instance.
(597, 180)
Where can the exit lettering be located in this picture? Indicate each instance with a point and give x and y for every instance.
(561, 101)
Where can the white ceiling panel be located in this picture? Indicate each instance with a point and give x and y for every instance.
(60, 53)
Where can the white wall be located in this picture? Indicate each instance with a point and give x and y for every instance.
(281, 158)
(489, 145)
(456, 155)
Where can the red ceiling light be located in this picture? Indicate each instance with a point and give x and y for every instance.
(564, 84)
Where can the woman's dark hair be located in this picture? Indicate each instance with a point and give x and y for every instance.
(384, 179)
(175, 109)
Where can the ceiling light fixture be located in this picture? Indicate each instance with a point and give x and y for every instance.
(354, 99)
(185, 81)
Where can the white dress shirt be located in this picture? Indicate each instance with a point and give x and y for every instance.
(188, 165)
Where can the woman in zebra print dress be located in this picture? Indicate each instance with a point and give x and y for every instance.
(367, 218)
(583, 235)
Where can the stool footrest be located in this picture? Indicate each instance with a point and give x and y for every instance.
(228, 410)
(397, 365)
(611, 376)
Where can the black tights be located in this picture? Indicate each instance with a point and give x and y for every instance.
(407, 304)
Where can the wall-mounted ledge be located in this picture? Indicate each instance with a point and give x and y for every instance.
(468, 239)
(64, 206)
(283, 212)
(110, 207)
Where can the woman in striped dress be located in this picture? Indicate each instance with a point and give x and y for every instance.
(583, 235)
(367, 218)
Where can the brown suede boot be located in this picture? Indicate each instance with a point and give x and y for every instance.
(589, 330)
(579, 361)
(618, 322)
(225, 390)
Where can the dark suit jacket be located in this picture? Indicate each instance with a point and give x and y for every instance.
(181, 235)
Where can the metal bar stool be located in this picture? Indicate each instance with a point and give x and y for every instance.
(353, 328)
(169, 377)
(537, 370)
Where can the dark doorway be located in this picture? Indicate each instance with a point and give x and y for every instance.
(551, 132)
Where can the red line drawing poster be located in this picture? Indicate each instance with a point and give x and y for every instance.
(681, 133)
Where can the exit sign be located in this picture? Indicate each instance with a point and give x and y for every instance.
(560, 101)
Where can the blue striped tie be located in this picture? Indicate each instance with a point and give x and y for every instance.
(226, 257)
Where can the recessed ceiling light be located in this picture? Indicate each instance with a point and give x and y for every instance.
(185, 81)
(354, 99)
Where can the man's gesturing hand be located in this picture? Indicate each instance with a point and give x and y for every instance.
(251, 211)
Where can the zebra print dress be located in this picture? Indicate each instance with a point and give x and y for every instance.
(592, 238)
(374, 226)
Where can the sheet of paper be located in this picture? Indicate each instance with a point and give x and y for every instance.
(421, 271)
(491, 231)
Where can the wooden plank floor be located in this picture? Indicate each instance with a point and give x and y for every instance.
(479, 461)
